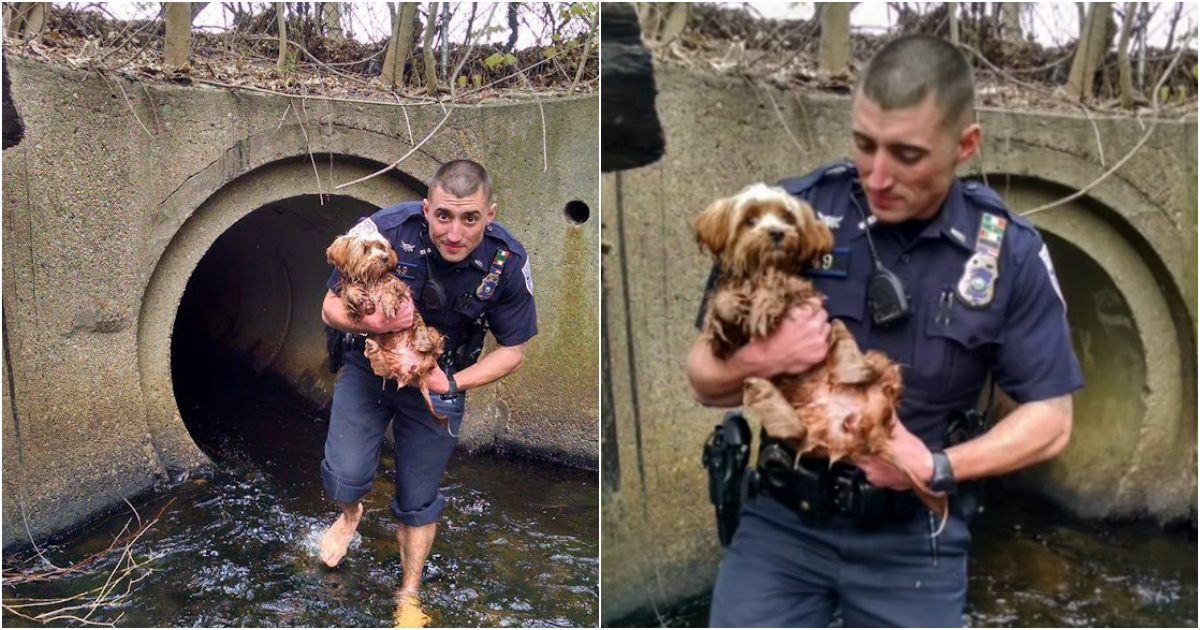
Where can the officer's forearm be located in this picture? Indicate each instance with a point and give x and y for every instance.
(333, 313)
(715, 383)
(1032, 433)
(493, 366)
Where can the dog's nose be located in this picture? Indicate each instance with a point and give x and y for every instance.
(776, 237)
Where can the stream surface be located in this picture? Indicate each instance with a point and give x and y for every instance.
(517, 544)
(1032, 565)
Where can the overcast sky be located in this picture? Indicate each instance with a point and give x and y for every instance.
(1052, 23)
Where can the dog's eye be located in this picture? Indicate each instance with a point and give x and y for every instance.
(750, 221)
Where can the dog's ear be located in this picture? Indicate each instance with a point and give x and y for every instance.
(814, 234)
(338, 253)
(712, 226)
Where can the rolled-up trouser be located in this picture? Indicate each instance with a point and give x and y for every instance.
(779, 572)
(362, 407)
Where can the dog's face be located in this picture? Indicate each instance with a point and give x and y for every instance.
(362, 255)
(759, 228)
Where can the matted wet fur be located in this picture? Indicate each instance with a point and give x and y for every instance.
(365, 261)
(844, 408)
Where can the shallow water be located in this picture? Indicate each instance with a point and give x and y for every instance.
(1033, 565)
(517, 545)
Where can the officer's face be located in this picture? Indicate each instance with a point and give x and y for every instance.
(906, 158)
(456, 223)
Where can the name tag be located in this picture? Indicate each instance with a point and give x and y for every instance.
(406, 270)
(835, 264)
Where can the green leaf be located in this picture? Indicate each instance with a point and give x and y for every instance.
(462, 82)
(494, 59)
(549, 52)
(477, 80)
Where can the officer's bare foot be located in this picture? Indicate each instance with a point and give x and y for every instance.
(337, 538)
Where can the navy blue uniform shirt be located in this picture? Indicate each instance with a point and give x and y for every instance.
(945, 347)
(509, 308)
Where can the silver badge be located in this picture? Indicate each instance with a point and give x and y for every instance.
(977, 286)
(408, 247)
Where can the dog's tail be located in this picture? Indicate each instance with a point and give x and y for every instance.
(442, 420)
(937, 502)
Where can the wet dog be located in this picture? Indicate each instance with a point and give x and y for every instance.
(844, 408)
(365, 261)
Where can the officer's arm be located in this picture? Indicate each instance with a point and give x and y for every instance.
(800, 342)
(716, 383)
(1034, 432)
(493, 366)
(333, 313)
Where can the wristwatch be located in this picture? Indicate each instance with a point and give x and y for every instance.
(452, 392)
(943, 475)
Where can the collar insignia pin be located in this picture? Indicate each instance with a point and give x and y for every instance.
(830, 222)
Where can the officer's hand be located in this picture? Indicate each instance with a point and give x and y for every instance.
(437, 381)
(800, 342)
(377, 324)
(909, 452)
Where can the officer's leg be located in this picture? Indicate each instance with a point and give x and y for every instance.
(423, 448)
(776, 572)
(356, 425)
(900, 576)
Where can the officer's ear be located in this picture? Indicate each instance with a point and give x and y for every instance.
(968, 143)
(489, 215)
(425, 208)
(713, 226)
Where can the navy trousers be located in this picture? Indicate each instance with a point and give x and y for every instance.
(780, 572)
(362, 407)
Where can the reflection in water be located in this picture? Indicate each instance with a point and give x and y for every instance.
(1032, 565)
(518, 543)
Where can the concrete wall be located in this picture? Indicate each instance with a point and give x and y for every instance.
(104, 223)
(1126, 254)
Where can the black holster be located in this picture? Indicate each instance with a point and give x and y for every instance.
(336, 343)
(726, 453)
(465, 354)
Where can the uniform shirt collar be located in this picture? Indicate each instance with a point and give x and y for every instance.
(953, 222)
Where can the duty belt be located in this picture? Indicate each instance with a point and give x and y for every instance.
(818, 491)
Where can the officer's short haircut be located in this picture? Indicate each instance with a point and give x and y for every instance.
(463, 178)
(906, 71)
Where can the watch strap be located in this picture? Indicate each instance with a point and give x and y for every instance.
(943, 475)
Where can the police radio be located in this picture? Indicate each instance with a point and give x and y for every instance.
(886, 296)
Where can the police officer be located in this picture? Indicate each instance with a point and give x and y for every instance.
(939, 275)
(464, 269)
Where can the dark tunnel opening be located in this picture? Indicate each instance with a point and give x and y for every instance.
(248, 359)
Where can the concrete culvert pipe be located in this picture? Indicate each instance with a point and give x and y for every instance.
(242, 281)
(1133, 443)
(255, 300)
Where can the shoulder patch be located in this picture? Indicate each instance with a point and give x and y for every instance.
(1044, 254)
(528, 276)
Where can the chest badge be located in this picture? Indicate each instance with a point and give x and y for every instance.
(977, 286)
(408, 247)
(487, 287)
